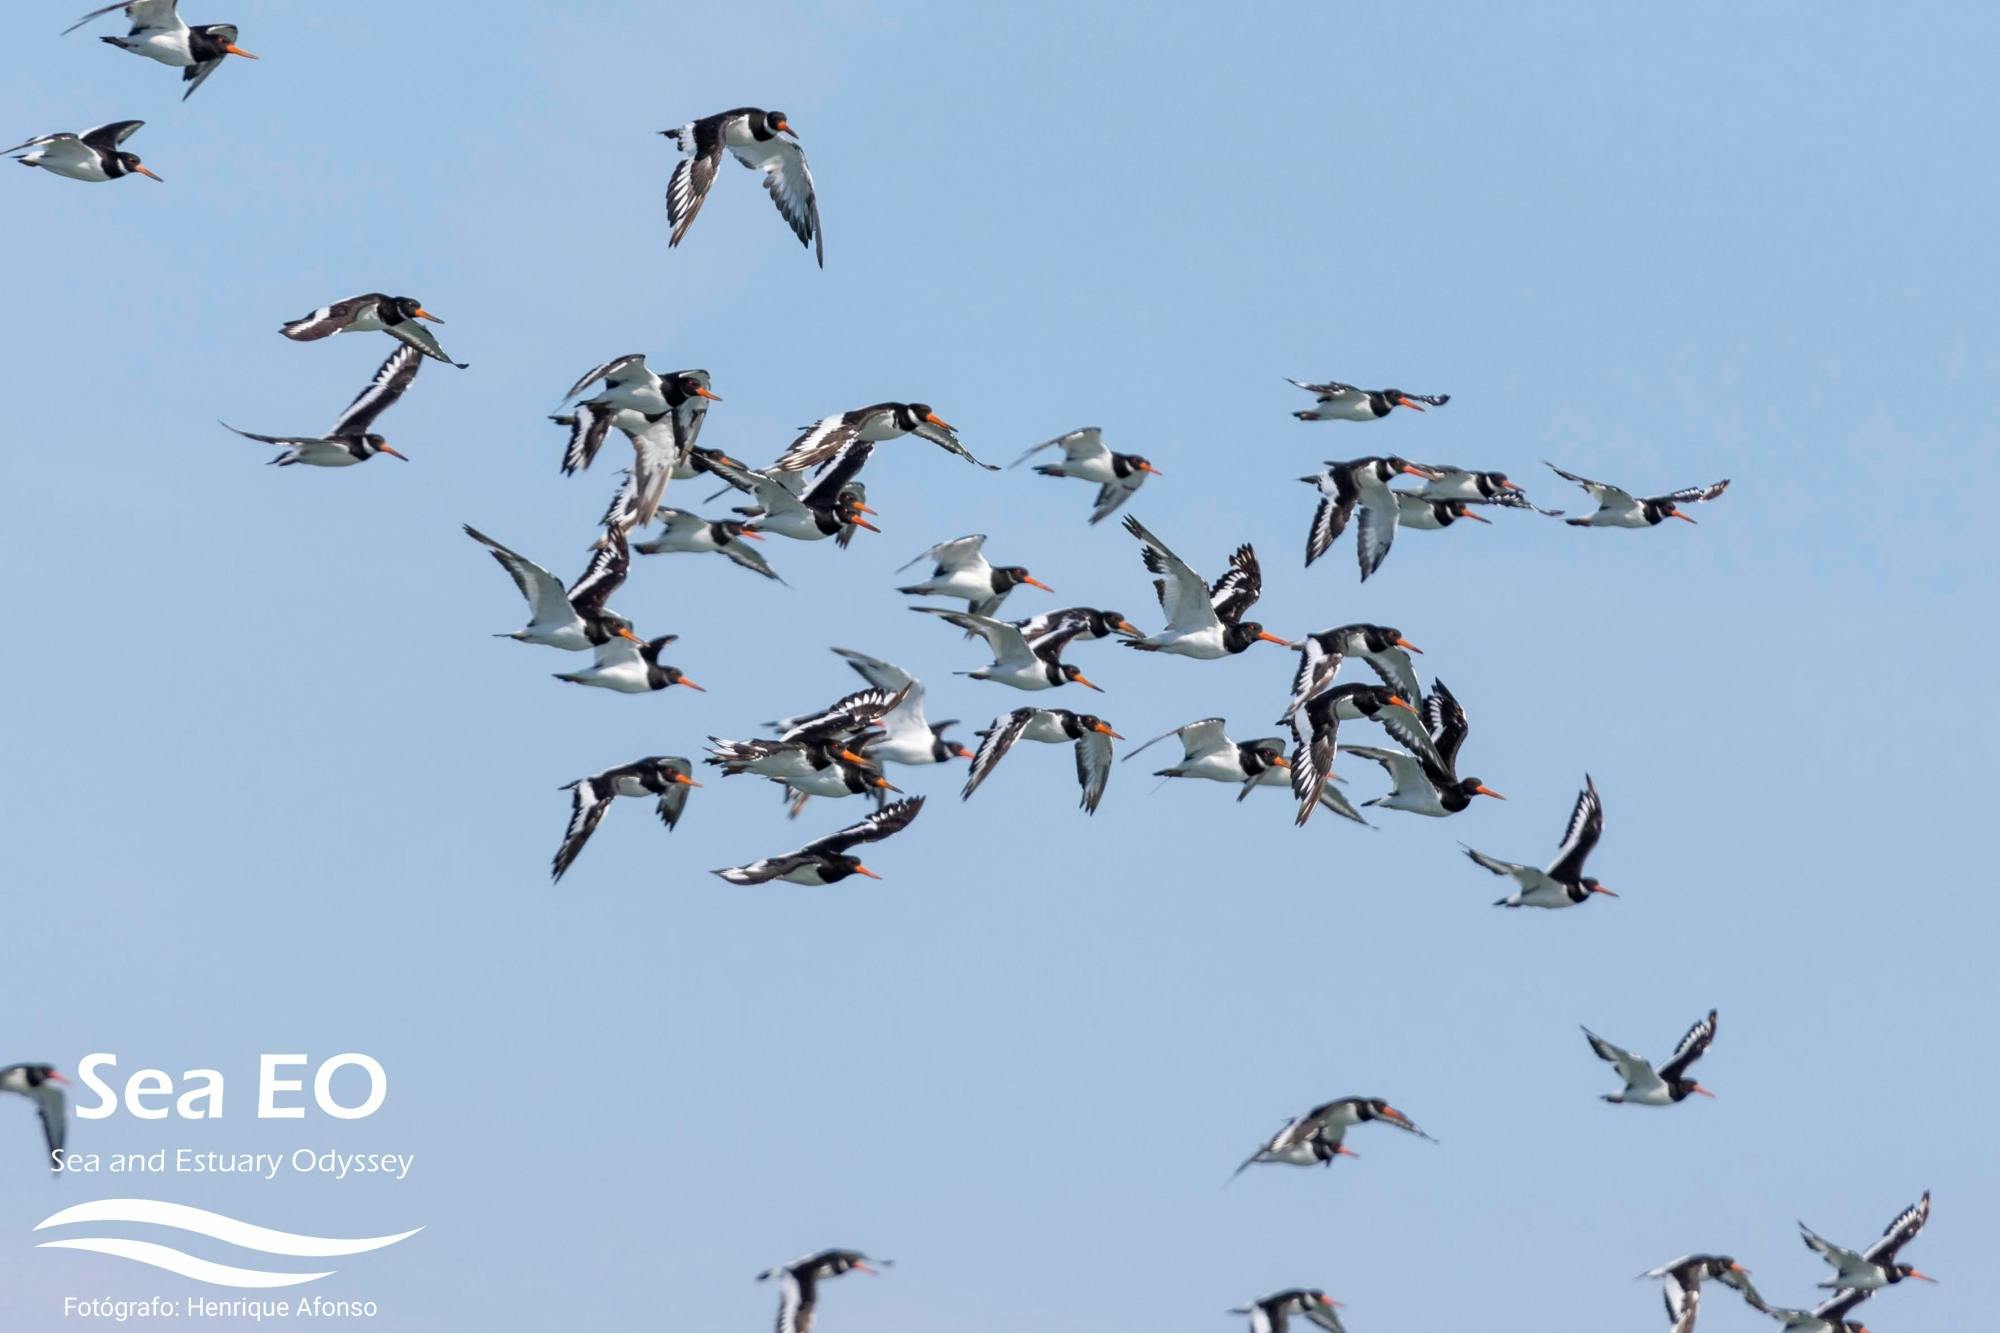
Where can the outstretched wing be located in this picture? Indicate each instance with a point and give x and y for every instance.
(1183, 596)
(1693, 1046)
(391, 380)
(889, 819)
(618, 371)
(1603, 492)
(994, 743)
(952, 555)
(1586, 826)
(1237, 590)
(1006, 642)
(547, 603)
(882, 675)
(1445, 719)
(328, 319)
(608, 567)
(588, 804)
(1901, 1232)
(844, 716)
(789, 181)
(693, 174)
(1631, 1068)
(1093, 767)
(1696, 494)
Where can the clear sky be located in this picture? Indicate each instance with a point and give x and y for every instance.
(272, 786)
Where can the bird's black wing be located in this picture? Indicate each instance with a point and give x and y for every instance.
(1239, 588)
(1900, 1233)
(1586, 826)
(391, 380)
(1693, 1046)
(1446, 722)
(884, 822)
(606, 571)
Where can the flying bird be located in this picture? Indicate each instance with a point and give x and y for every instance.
(963, 571)
(1670, 1084)
(1382, 647)
(159, 33)
(1085, 457)
(665, 776)
(1359, 485)
(1829, 1316)
(828, 860)
(798, 1283)
(350, 440)
(761, 140)
(1091, 735)
(1620, 509)
(1075, 622)
(906, 737)
(1563, 884)
(42, 1085)
(1273, 1313)
(1875, 1267)
(629, 665)
(683, 533)
(575, 619)
(661, 415)
(1207, 752)
(1681, 1284)
(372, 312)
(93, 155)
(1423, 514)
(1316, 733)
(1419, 783)
(1314, 1139)
(1202, 621)
(830, 507)
(871, 425)
(1016, 661)
(1343, 402)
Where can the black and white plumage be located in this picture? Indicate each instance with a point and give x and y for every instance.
(159, 33)
(844, 718)
(1086, 457)
(1202, 621)
(1450, 482)
(804, 760)
(1423, 514)
(761, 140)
(962, 570)
(1644, 1086)
(1315, 1138)
(1316, 734)
(683, 533)
(1563, 884)
(1273, 1313)
(1829, 1316)
(906, 736)
(829, 860)
(668, 777)
(93, 155)
(1427, 783)
(1382, 647)
(1025, 665)
(1621, 509)
(43, 1086)
(629, 665)
(828, 436)
(1360, 487)
(798, 1283)
(572, 619)
(1207, 752)
(830, 507)
(372, 312)
(1091, 735)
(1681, 1284)
(1075, 622)
(662, 416)
(1343, 402)
(350, 440)
(1875, 1267)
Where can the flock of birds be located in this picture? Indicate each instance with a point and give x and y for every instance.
(812, 491)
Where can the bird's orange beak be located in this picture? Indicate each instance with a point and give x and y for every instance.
(1510, 486)
(1148, 467)
(752, 534)
(1281, 761)
(939, 421)
(1410, 469)
(1127, 627)
(1407, 401)
(704, 393)
(236, 50)
(55, 1077)
(960, 752)
(1104, 729)
(1269, 637)
(691, 685)
(864, 870)
(1407, 646)
(854, 758)
(393, 454)
(1599, 888)
(883, 783)
(1465, 511)
(1683, 517)
(785, 127)
(1400, 702)
(1739, 1268)
(628, 634)
(1925, 1277)
(1488, 791)
(144, 170)
(1703, 1091)
(685, 781)
(1036, 583)
(425, 314)
(1088, 683)
(1328, 1300)
(861, 522)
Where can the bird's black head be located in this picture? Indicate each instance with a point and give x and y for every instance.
(1897, 1272)
(1104, 623)
(1126, 464)
(1011, 576)
(376, 444)
(1235, 638)
(1395, 466)
(1381, 638)
(772, 123)
(1074, 675)
(1492, 483)
(37, 1075)
(1269, 753)
(848, 507)
(1470, 787)
(1591, 885)
(838, 866)
(1683, 1088)
(679, 388)
(733, 528)
(129, 163)
(912, 415)
(212, 41)
(672, 675)
(1090, 723)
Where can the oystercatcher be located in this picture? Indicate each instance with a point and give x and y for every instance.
(159, 33)
(93, 155)
(831, 507)
(1344, 402)
(1420, 783)
(1202, 621)
(1314, 1139)
(962, 570)
(1681, 1284)
(1563, 884)
(1085, 457)
(1875, 1267)
(1829, 1316)
(1016, 661)
(761, 140)
(1360, 484)
(683, 533)
(1076, 622)
(1316, 732)
(350, 441)
(372, 312)
(666, 776)
(571, 620)
(873, 424)
(629, 666)
(798, 1283)
(828, 860)
(42, 1085)
(1644, 1086)
(1384, 649)
(1620, 509)
(1273, 1313)
(905, 736)
(1091, 735)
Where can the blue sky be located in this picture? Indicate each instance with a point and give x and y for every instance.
(275, 788)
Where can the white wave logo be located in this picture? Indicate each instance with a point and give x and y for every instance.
(215, 1226)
